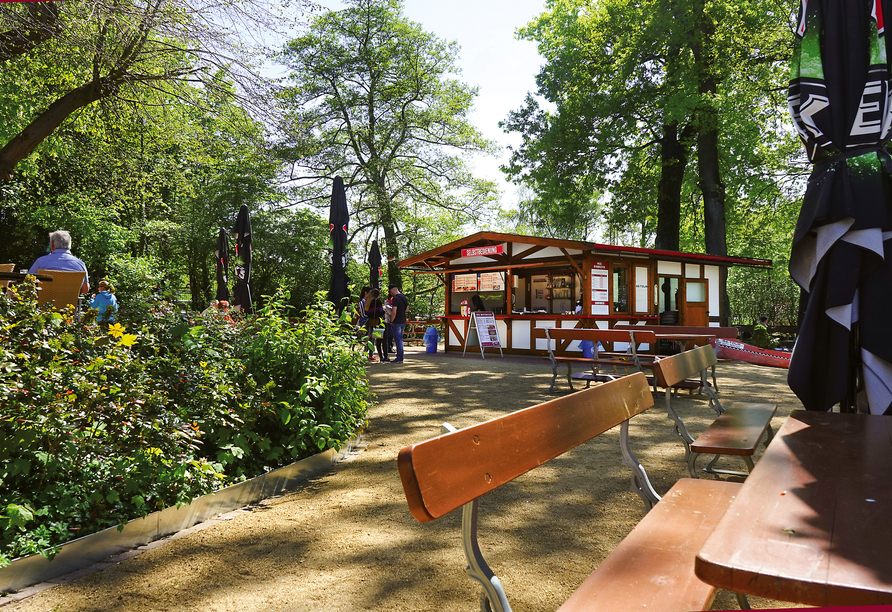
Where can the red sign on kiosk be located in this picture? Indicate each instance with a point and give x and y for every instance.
(494, 249)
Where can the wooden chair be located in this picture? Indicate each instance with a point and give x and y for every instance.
(6, 268)
(63, 291)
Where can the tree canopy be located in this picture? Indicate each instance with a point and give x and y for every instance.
(635, 91)
(374, 98)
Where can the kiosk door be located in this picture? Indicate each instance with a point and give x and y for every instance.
(695, 306)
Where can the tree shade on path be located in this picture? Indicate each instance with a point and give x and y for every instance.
(842, 248)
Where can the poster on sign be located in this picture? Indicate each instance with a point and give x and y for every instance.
(487, 330)
(492, 281)
(600, 289)
(483, 332)
(464, 282)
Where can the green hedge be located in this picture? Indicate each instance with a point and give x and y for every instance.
(100, 425)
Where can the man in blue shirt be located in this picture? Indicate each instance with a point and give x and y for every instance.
(61, 259)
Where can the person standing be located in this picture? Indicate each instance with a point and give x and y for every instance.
(61, 259)
(374, 313)
(387, 341)
(400, 304)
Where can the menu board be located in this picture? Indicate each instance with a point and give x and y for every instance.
(492, 281)
(487, 331)
(600, 289)
(464, 282)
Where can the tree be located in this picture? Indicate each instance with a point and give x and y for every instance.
(372, 100)
(97, 49)
(639, 90)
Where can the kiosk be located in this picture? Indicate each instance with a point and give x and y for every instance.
(529, 282)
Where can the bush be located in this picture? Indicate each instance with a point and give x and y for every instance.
(99, 426)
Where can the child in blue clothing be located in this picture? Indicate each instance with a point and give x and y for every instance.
(103, 300)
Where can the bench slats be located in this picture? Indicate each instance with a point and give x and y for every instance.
(448, 471)
(737, 431)
(672, 370)
(653, 567)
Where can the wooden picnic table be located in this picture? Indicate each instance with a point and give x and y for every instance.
(682, 340)
(811, 523)
(17, 276)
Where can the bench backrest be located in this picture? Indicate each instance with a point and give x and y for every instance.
(673, 370)
(448, 471)
(718, 332)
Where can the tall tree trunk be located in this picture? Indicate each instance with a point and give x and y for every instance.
(711, 185)
(673, 161)
(388, 224)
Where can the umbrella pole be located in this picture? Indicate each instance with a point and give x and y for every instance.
(855, 382)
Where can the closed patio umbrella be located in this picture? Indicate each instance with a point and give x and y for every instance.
(842, 247)
(338, 222)
(375, 266)
(242, 233)
(222, 264)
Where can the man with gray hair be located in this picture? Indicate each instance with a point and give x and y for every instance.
(61, 259)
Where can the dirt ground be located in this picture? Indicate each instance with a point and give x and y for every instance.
(346, 541)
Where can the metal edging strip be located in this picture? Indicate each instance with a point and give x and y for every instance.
(88, 550)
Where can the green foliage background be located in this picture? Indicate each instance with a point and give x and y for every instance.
(96, 430)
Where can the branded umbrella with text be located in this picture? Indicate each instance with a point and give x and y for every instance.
(842, 248)
(338, 221)
(242, 233)
(374, 266)
(222, 264)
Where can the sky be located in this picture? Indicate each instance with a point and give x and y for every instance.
(491, 58)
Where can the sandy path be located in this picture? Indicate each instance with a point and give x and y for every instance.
(346, 541)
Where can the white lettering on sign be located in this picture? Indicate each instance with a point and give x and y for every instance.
(495, 249)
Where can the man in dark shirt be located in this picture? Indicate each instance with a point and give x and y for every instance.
(398, 320)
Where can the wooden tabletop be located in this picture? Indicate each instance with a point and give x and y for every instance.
(812, 522)
(17, 276)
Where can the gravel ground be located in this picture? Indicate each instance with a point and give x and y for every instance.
(346, 541)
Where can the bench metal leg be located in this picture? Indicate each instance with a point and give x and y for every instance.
(640, 482)
(715, 385)
(493, 596)
(709, 469)
(680, 429)
(742, 601)
(570, 375)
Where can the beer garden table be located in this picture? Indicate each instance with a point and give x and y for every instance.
(811, 522)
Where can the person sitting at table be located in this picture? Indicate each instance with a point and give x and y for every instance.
(61, 259)
(104, 300)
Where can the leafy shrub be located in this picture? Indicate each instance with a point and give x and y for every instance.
(99, 426)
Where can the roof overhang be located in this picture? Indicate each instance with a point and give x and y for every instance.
(442, 257)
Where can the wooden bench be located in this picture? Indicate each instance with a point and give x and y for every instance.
(738, 427)
(730, 333)
(559, 338)
(651, 569)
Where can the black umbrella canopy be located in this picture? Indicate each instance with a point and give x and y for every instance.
(222, 264)
(338, 222)
(842, 248)
(242, 233)
(375, 266)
